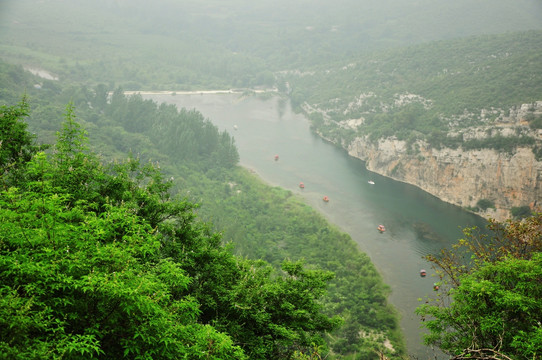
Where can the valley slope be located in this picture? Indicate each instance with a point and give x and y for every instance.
(459, 119)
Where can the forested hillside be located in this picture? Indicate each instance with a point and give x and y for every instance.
(458, 118)
(102, 257)
(200, 163)
(426, 91)
(192, 44)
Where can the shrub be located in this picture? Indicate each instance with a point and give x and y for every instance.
(484, 204)
(520, 211)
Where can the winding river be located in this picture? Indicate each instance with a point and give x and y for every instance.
(416, 223)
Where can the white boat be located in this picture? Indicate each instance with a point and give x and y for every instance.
(371, 182)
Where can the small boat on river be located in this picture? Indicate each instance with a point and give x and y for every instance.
(301, 185)
(371, 182)
(423, 273)
(381, 228)
(326, 199)
(276, 157)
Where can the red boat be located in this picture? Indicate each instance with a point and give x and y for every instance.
(301, 185)
(423, 273)
(326, 199)
(276, 157)
(381, 228)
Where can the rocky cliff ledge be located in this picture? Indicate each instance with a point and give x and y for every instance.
(459, 177)
(462, 177)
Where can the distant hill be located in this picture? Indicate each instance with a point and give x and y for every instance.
(422, 90)
(459, 118)
(238, 43)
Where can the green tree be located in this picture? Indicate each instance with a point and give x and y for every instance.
(78, 285)
(283, 311)
(16, 143)
(98, 261)
(484, 204)
(491, 304)
(520, 212)
(82, 279)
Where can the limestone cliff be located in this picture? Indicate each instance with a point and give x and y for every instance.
(464, 177)
(459, 177)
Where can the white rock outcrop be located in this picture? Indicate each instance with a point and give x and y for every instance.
(456, 176)
(463, 177)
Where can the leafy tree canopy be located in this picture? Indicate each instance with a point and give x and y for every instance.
(98, 261)
(491, 304)
(16, 143)
(200, 163)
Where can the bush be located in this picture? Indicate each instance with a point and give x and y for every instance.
(521, 212)
(534, 122)
(484, 204)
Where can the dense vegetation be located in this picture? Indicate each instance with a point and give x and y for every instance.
(191, 44)
(205, 171)
(431, 91)
(99, 260)
(490, 302)
(272, 224)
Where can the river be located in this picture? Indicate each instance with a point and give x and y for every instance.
(416, 223)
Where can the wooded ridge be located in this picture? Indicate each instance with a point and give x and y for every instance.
(462, 97)
(200, 165)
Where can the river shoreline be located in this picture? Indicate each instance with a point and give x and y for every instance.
(201, 92)
(263, 127)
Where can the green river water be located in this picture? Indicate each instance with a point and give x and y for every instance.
(416, 223)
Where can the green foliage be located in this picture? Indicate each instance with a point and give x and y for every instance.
(15, 81)
(85, 282)
(83, 279)
(494, 302)
(183, 135)
(535, 122)
(16, 144)
(520, 212)
(97, 261)
(272, 224)
(272, 317)
(495, 307)
(427, 91)
(505, 144)
(286, 229)
(485, 204)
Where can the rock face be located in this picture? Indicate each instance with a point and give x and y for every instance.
(459, 177)
(462, 177)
